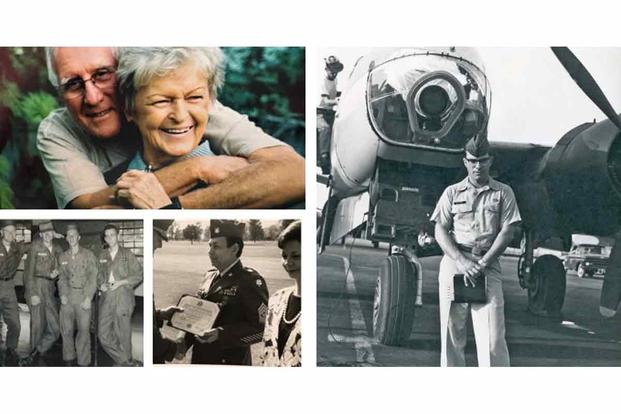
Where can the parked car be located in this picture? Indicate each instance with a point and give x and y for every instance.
(587, 260)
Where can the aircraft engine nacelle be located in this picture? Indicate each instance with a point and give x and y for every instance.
(582, 174)
(354, 143)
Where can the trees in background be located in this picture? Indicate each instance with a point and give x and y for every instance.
(255, 230)
(192, 232)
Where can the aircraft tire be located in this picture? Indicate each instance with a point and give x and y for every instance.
(546, 296)
(393, 304)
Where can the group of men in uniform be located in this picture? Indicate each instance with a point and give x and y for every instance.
(241, 294)
(76, 275)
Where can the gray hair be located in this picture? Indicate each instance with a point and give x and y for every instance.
(139, 65)
(52, 76)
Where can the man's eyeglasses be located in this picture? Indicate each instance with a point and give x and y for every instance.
(482, 160)
(102, 78)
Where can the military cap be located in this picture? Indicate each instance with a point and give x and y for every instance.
(46, 226)
(226, 228)
(477, 146)
(161, 227)
(4, 223)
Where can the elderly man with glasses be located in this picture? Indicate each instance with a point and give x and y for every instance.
(83, 142)
(475, 220)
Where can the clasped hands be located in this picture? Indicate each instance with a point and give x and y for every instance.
(470, 269)
(141, 189)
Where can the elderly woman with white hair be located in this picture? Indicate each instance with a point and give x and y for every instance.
(167, 93)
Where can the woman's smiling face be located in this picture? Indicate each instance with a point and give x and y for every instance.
(171, 113)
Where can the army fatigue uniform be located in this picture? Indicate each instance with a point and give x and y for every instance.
(475, 216)
(117, 306)
(9, 310)
(44, 318)
(292, 352)
(78, 282)
(242, 296)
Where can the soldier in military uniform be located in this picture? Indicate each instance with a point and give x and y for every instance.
(40, 273)
(242, 296)
(476, 219)
(77, 285)
(11, 254)
(119, 273)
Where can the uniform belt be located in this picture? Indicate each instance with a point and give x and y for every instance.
(7, 278)
(44, 277)
(477, 251)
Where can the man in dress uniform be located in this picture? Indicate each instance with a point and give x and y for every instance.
(119, 273)
(11, 254)
(77, 285)
(476, 219)
(242, 296)
(40, 273)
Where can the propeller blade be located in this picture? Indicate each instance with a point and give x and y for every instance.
(585, 81)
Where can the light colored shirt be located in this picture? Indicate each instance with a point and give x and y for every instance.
(76, 161)
(112, 255)
(476, 215)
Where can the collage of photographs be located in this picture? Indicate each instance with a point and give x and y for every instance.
(168, 189)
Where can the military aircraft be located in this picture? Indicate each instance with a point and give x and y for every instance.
(397, 143)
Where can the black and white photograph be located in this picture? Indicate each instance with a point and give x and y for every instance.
(468, 204)
(71, 293)
(227, 292)
(152, 127)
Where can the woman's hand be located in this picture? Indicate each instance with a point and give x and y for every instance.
(218, 168)
(141, 190)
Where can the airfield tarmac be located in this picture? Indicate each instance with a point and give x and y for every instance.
(345, 311)
(179, 268)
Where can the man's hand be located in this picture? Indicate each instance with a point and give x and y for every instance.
(64, 300)
(208, 336)
(141, 189)
(469, 268)
(54, 274)
(86, 304)
(115, 285)
(35, 300)
(167, 313)
(104, 287)
(216, 169)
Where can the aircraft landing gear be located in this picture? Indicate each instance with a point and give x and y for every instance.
(546, 292)
(395, 299)
(544, 279)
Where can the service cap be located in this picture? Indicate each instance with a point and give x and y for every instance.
(226, 228)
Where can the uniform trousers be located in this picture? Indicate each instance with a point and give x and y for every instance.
(488, 319)
(9, 310)
(115, 332)
(44, 318)
(72, 315)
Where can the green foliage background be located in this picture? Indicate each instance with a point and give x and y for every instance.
(266, 83)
